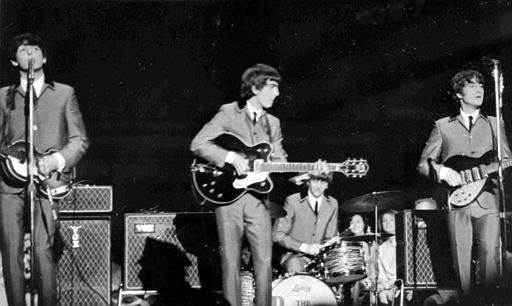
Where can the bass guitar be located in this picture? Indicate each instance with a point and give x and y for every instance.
(474, 173)
(14, 169)
(224, 185)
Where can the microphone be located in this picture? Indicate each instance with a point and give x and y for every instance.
(31, 70)
(489, 59)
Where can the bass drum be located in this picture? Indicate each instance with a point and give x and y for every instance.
(302, 290)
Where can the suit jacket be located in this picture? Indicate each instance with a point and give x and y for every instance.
(450, 137)
(300, 225)
(58, 123)
(232, 118)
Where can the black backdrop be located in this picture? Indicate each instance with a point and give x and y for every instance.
(361, 79)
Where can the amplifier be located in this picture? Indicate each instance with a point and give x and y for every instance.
(83, 274)
(423, 249)
(157, 244)
(87, 199)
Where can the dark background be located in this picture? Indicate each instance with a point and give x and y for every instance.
(362, 78)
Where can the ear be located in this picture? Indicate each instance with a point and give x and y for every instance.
(254, 90)
(14, 63)
(458, 95)
(44, 60)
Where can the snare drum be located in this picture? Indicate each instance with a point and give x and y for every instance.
(302, 290)
(343, 262)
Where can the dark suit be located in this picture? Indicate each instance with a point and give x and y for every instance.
(300, 225)
(248, 215)
(479, 220)
(58, 126)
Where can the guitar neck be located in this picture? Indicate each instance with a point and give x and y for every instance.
(282, 167)
(494, 166)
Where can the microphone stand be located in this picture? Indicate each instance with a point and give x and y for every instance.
(498, 89)
(30, 191)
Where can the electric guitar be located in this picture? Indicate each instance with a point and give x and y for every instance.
(14, 169)
(474, 173)
(224, 185)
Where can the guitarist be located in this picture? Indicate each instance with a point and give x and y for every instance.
(249, 215)
(477, 225)
(58, 126)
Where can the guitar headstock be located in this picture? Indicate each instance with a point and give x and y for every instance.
(353, 167)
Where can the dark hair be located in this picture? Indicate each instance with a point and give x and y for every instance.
(25, 39)
(461, 79)
(257, 76)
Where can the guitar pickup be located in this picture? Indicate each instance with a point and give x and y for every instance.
(483, 171)
(476, 174)
(468, 176)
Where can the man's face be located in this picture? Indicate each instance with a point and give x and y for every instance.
(472, 94)
(266, 95)
(317, 187)
(25, 53)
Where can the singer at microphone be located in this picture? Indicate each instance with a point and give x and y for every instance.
(60, 129)
(474, 228)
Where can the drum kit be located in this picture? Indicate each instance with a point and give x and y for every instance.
(337, 264)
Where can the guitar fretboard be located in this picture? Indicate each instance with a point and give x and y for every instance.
(294, 167)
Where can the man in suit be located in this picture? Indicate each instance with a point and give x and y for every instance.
(311, 220)
(475, 226)
(58, 127)
(249, 215)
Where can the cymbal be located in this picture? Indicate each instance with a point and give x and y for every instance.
(276, 211)
(367, 237)
(382, 199)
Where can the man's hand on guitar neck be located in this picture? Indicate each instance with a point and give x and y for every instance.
(450, 176)
(238, 162)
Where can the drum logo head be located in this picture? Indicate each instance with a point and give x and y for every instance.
(298, 288)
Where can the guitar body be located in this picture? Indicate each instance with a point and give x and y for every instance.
(461, 163)
(14, 169)
(224, 185)
(461, 196)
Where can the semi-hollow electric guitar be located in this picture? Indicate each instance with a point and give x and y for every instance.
(474, 173)
(13, 164)
(224, 185)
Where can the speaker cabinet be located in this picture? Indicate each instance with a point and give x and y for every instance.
(87, 199)
(423, 249)
(84, 267)
(171, 248)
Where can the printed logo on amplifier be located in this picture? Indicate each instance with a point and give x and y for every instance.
(75, 237)
(144, 228)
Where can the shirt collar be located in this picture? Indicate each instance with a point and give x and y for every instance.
(474, 114)
(251, 109)
(312, 199)
(38, 84)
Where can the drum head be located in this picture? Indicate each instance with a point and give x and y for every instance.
(302, 290)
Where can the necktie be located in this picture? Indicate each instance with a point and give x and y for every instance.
(254, 117)
(316, 208)
(470, 122)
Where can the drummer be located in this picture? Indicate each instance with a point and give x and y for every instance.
(311, 220)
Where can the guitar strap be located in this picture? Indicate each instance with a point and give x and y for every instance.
(11, 92)
(493, 136)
